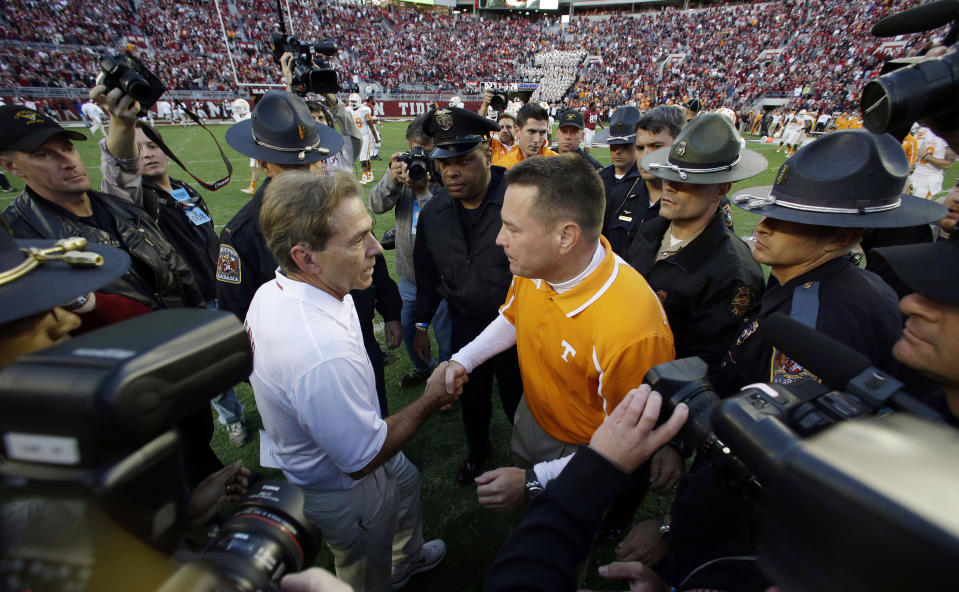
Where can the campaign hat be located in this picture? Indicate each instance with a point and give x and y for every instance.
(281, 130)
(456, 131)
(850, 179)
(622, 125)
(708, 150)
(26, 129)
(38, 275)
(570, 117)
(931, 269)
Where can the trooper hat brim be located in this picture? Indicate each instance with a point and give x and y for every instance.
(750, 164)
(55, 283)
(240, 138)
(911, 211)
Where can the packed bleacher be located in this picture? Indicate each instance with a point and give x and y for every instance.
(398, 48)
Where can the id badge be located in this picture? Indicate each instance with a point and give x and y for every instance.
(181, 195)
(416, 214)
(197, 216)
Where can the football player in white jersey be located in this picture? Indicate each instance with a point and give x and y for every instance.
(934, 158)
(375, 149)
(363, 117)
(94, 115)
(241, 111)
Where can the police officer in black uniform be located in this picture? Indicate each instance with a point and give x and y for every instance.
(625, 204)
(704, 275)
(456, 258)
(813, 216)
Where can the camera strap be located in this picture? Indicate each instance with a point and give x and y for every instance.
(218, 184)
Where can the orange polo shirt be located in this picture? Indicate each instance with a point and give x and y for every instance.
(515, 156)
(580, 352)
(500, 150)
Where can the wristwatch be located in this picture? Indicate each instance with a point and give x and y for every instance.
(533, 487)
(422, 327)
(663, 525)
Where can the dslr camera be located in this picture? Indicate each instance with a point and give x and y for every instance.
(418, 163)
(501, 97)
(91, 459)
(312, 73)
(127, 73)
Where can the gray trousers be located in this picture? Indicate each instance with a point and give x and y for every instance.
(530, 444)
(373, 526)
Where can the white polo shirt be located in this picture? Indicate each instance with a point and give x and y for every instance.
(313, 383)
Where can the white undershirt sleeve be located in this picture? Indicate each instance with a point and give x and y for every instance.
(548, 470)
(497, 337)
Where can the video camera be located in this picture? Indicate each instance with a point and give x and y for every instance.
(916, 88)
(859, 505)
(311, 73)
(90, 453)
(127, 73)
(501, 97)
(418, 163)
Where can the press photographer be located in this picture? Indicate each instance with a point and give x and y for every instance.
(407, 189)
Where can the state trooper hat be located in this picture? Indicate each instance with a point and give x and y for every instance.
(26, 129)
(708, 150)
(622, 125)
(850, 179)
(37, 275)
(281, 130)
(456, 131)
(570, 117)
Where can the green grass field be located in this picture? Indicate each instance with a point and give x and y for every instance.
(450, 511)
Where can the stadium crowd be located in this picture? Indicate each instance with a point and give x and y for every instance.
(629, 54)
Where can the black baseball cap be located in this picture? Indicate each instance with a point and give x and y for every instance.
(931, 269)
(571, 117)
(26, 129)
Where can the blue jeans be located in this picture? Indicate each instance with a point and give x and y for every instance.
(441, 326)
(227, 406)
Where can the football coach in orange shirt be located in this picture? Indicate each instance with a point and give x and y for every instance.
(586, 325)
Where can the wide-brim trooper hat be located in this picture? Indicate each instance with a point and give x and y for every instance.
(37, 275)
(456, 131)
(281, 130)
(708, 150)
(622, 125)
(849, 179)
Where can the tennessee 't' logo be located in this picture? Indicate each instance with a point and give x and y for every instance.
(567, 349)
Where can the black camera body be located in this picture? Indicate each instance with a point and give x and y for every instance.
(311, 72)
(418, 163)
(87, 437)
(499, 100)
(127, 73)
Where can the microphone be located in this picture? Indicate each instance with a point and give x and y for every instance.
(918, 19)
(839, 366)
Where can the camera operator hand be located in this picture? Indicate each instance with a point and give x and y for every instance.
(629, 436)
(226, 485)
(640, 577)
(314, 579)
(665, 470)
(643, 543)
(123, 111)
(285, 64)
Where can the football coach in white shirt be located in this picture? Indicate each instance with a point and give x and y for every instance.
(315, 389)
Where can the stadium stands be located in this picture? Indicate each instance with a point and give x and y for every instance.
(827, 48)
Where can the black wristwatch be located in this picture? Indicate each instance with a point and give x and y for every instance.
(533, 487)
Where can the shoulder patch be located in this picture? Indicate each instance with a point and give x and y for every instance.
(740, 302)
(228, 265)
(785, 370)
